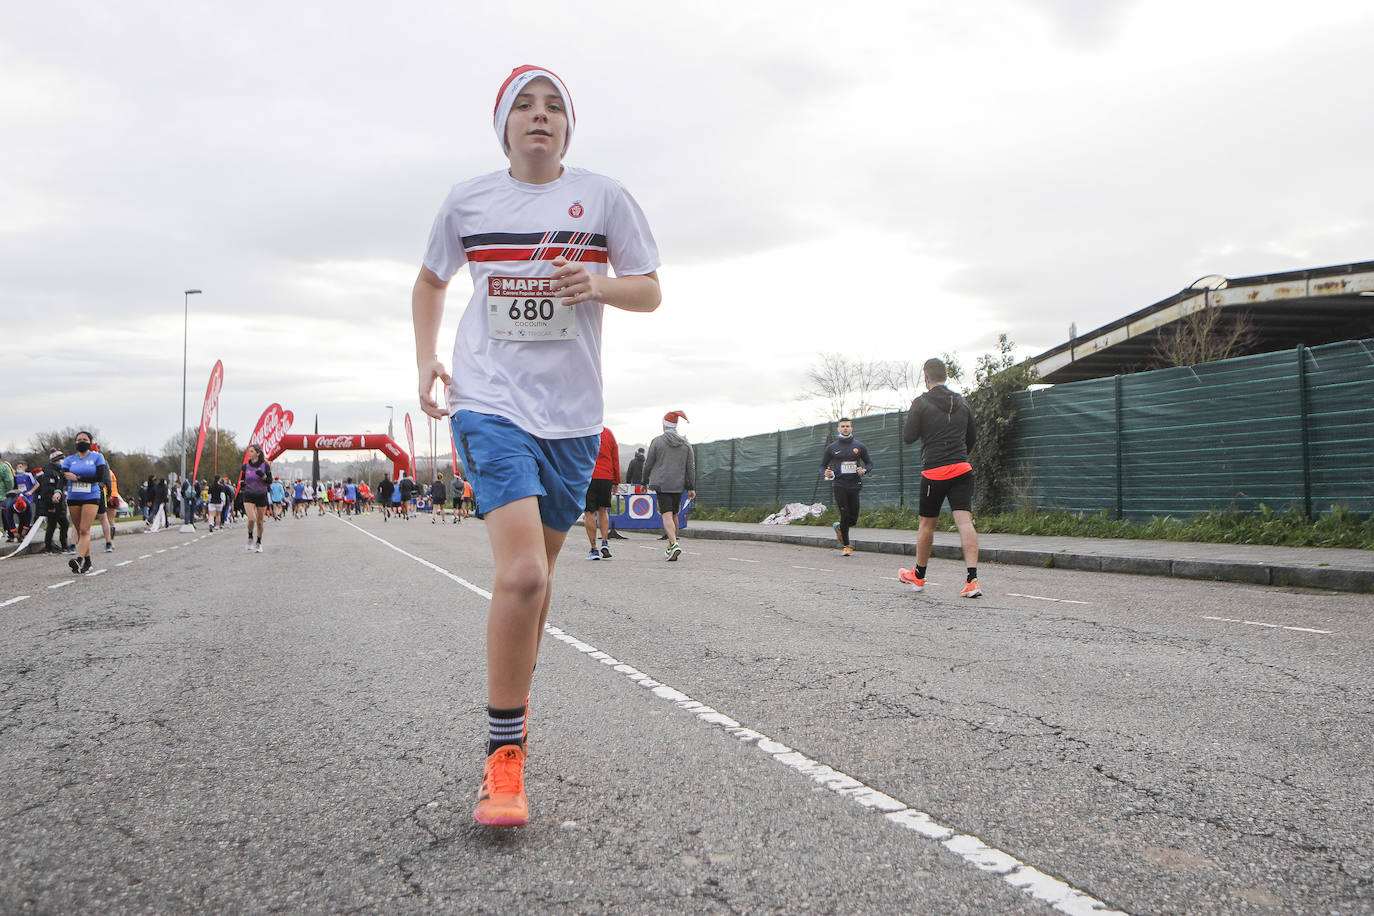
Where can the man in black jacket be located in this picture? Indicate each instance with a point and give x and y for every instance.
(844, 463)
(52, 502)
(944, 424)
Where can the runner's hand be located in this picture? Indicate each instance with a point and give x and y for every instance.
(573, 283)
(431, 371)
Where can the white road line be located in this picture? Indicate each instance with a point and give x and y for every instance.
(740, 560)
(96, 572)
(163, 550)
(125, 563)
(1026, 878)
(62, 584)
(14, 600)
(145, 556)
(813, 568)
(1043, 598)
(174, 547)
(1271, 626)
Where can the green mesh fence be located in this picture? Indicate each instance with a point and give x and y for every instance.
(1279, 429)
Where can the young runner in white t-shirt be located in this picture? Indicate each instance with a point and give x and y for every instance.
(525, 390)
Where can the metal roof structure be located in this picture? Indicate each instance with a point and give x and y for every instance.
(1304, 307)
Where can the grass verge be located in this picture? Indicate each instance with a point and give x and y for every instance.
(1338, 528)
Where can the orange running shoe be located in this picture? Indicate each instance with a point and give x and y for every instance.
(847, 552)
(971, 590)
(909, 577)
(501, 801)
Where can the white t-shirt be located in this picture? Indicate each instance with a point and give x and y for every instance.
(505, 228)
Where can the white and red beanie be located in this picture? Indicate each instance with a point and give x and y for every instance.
(671, 417)
(519, 78)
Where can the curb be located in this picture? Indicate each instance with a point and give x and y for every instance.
(1327, 577)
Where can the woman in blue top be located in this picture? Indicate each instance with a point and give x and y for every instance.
(86, 473)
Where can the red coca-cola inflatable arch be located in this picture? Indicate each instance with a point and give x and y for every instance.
(325, 442)
(271, 434)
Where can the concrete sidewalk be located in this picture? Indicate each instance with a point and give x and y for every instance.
(1305, 567)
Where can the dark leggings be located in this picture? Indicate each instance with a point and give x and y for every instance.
(56, 514)
(847, 501)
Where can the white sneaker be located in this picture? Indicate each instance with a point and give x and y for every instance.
(249, 548)
(257, 549)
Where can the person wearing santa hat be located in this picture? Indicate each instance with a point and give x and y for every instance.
(525, 390)
(670, 469)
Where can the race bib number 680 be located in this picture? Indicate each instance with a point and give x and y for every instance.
(526, 309)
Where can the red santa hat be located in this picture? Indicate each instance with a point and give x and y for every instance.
(519, 78)
(671, 417)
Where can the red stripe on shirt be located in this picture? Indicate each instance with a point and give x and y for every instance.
(590, 255)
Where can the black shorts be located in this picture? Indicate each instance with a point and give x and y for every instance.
(959, 491)
(254, 499)
(669, 502)
(598, 495)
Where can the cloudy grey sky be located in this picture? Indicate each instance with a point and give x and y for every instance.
(885, 180)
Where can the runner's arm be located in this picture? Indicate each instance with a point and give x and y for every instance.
(635, 293)
(427, 312)
(911, 430)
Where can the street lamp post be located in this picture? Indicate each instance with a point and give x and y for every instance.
(391, 416)
(185, 325)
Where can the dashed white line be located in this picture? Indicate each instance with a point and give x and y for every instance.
(62, 584)
(163, 550)
(813, 568)
(741, 560)
(125, 563)
(14, 600)
(174, 547)
(96, 572)
(1026, 878)
(1043, 598)
(145, 556)
(1271, 626)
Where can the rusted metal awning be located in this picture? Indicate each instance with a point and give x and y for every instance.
(1305, 307)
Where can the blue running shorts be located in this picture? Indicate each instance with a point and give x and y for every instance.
(505, 463)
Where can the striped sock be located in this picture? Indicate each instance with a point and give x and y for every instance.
(504, 726)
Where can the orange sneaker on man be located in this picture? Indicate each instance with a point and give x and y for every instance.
(971, 590)
(501, 801)
(847, 552)
(909, 577)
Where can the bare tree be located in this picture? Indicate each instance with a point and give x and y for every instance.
(1204, 335)
(832, 379)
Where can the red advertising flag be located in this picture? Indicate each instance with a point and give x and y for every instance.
(271, 428)
(410, 438)
(209, 407)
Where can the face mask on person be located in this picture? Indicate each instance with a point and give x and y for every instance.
(83, 446)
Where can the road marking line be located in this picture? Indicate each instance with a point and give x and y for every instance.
(15, 600)
(163, 550)
(174, 547)
(62, 584)
(813, 568)
(1271, 626)
(423, 562)
(145, 556)
(1043, 598)
(1026, 878)
(125, 563)
(739, 560)
(96, 572)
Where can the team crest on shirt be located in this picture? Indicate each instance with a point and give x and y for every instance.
(576, 211)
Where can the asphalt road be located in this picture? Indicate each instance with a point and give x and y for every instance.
(755, 728)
